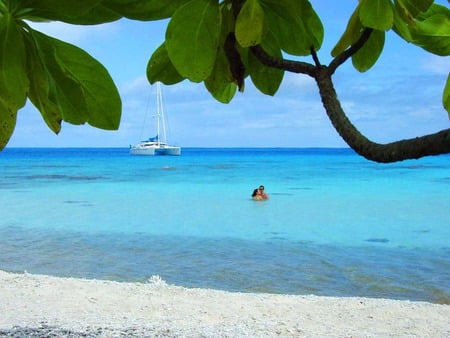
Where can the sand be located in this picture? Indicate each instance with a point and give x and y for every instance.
(113, 309)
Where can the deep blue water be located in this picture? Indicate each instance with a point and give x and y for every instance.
(336, 224)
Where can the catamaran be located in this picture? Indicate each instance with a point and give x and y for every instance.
(157, 145)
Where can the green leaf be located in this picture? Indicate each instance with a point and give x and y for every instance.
(250, 24)
(436, 25)
(221, 91)
(412, 8)
(351, 34)
(220, 83)
(266, 79)
(63, 90)
(192, 37)
(83, 12)
(402, 12)
(446, 96)
(434, 9)
(376, 14)
(8, 119)
(13, 78)
(77, 8)
(295, 25)
(366, 57)
(97, 15)
(144, 9)
(282, 22)
(84, 90)
(40, 86)
(161, 69)
(401, 24)
(432, 30)
(313, 24)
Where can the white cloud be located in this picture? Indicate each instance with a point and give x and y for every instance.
(135, 86)
(298, 82)
(437, 64)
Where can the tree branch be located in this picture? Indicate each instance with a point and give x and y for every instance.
(433, 144)
(288, 65)
(314, 56)
(307, 68)
(428, 145)
(345, 55)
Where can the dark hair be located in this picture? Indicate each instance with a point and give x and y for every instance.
(255, 192)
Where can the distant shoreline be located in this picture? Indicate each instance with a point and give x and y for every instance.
(38, 303)
(194, 148)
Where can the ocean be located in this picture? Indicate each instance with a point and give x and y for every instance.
(335, 224)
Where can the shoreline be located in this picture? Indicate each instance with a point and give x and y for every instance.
(97, 308)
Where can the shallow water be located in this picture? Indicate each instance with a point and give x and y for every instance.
(335, 224)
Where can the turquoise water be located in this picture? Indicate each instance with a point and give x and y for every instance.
(335, 224)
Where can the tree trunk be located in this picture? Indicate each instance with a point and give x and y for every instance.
(433, 144)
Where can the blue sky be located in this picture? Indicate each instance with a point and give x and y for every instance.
(400, 97)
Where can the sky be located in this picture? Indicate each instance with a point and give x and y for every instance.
(400, 97)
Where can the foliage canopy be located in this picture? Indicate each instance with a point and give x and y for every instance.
(220, 43)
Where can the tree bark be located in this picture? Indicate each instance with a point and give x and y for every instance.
(428, 145)
(433, 144)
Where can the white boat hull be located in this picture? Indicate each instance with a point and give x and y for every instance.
(155, 150)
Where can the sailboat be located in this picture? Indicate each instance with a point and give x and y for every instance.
(157, 145)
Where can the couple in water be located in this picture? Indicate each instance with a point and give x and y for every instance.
(259, 194)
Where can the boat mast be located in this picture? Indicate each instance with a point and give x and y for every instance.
(160, 113)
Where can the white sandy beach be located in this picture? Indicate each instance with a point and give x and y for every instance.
(158, 309)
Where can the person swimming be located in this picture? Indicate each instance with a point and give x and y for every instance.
(256, 195)
(259, 194)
